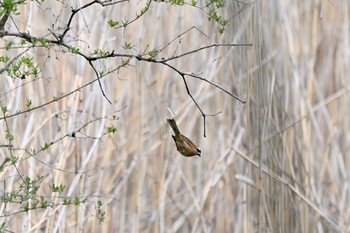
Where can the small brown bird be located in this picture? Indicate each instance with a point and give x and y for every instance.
(183, 144)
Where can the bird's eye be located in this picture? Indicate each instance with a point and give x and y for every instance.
(199, 150)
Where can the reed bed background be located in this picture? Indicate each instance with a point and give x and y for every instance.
(278, 163)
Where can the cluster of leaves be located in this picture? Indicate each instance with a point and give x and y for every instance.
(27, 195)
(10, 6)
(28, 198)
(211, 8)
(23, 67)
(124, 23)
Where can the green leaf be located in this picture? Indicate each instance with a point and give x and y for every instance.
(57, 188)
(111, 129)
(44, 203)
(221, 30)
(8, 45)
(74, 50)
(14, 159)
(46, 146)
(36, 71)
(9, 136)
(178, 2)
(112, 23)
(44, 42)
(4, 58)
(128, 45)
(125, 62)
(153, 53)
(99, 203)
(29, 103)
(76, 201)
(125, 23)
(26, 207)
(66, 201)
(4, 109)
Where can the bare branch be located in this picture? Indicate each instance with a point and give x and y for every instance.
(202, 48)
(74, 11)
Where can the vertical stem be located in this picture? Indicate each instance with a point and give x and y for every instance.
(260, 115)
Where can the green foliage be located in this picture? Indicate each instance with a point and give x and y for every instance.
(8, 197)
(101, 215)
(57, 188)
(101, 73)
(4, 163)
(4, 109)
(214, 16)
(125, 23)
(111, 129)
(101, 53)
(44, 42)
(29, 186)
(26, 193)
(128, 45)
(8, 45)
(46, 146)
(66, 201)
(144, 10)
(214, 6)
(14, 159)
(76, 201)
(211, 8)
(33, 41)
(153, 53)
(4, 58)
(8, 136)
(217, 3)
(178, 2)
(29, 103)
(113, 23)
(125, 62)
(23, 67)
(44, 203)
(26, 207)
(10, 6)
(3, 224)
(74, 50)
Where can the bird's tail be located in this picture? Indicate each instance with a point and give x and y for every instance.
(173, 125)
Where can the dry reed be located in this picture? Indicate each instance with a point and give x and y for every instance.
(279, 163)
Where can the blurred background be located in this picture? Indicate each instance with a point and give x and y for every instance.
(278, 163)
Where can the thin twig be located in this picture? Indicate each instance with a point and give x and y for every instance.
(99, 82)
(179, 36)
(203, 48)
